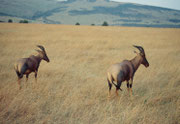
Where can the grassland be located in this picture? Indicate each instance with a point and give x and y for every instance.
(72, 88)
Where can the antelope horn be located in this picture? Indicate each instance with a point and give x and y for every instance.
(139, 48)
(41, 47)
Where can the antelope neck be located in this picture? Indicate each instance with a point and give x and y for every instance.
(38, 58)
(136, 61)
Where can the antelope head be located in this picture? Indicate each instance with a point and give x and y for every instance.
(142, 55)
(42, 53)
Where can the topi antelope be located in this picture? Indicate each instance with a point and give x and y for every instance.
(25, 66)
(125, 71)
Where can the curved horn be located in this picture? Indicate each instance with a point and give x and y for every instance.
(41, 47)
(139, 48)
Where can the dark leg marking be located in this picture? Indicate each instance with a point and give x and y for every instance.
(130, 85)
(110, 85)
(127, 85)
(35, 75)
(19, 74)
(118, 87)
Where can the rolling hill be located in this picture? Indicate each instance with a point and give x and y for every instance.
(89, 12)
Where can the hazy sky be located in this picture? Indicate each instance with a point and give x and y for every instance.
(174, 4)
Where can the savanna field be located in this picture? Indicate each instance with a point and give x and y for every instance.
(73, 89)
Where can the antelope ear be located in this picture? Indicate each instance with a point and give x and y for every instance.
(39, 51)
(136, 52)
(141, 54)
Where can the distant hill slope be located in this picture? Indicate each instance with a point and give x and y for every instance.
(88, 12)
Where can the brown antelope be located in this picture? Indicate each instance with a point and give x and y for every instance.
(125, 71)
(25, 66)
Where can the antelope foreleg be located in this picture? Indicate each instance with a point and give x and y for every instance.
(19, 83)
(116, 92)
(110, 86)
(130, 85)
(35, 76)
(27, 77)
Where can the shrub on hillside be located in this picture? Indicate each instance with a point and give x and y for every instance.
(105, 23)
(23, 21)
(10, 21)
(77, 23)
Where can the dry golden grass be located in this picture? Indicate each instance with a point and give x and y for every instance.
(72, 88)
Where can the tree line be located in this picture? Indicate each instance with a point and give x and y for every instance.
(21, 21)
(103, 24)
(26, 21)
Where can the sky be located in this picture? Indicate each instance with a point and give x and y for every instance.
(173, 4)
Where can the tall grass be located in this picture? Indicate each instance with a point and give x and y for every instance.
(72, 88)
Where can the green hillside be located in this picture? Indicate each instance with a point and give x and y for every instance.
(89, 12)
